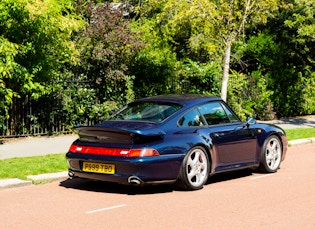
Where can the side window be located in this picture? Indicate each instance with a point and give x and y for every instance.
(214, 113)
(231, 116)
(192, 118)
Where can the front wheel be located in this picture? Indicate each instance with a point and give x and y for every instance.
(194, 170)
(271, 155)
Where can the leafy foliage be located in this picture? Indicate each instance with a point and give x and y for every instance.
(35, 45)
(286, 56)
(106, 46)
(83, 59)
(201, 78)
(171, 61)
(249, 96)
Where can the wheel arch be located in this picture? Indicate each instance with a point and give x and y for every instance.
(197, 179)
(271, 163)
(277, 134)
(209, 150)
(284, 143)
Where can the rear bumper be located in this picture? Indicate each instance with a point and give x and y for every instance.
(147, 170)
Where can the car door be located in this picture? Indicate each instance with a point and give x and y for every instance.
(235, 145)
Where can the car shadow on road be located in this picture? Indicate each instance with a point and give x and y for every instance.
(221, 177)
(107, 187)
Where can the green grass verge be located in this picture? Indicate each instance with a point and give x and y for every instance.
(26, 166)
(300, 133)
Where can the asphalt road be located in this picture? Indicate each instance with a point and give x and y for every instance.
(244, 200)
(35, 146)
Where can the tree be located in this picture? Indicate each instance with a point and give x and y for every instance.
(302, 19)
(35, 45)
(107, 45)
(283, 48)
(215, 24)
(170, 62)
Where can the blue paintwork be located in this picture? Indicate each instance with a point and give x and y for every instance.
(230, 146)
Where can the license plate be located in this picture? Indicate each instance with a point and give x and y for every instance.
(98, 168)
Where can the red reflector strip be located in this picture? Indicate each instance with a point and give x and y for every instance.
(113, 151)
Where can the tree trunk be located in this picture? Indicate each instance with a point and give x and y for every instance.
(226, 69)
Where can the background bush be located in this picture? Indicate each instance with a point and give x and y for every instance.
(65, 62)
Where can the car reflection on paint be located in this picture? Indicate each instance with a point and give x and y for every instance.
(180, 139)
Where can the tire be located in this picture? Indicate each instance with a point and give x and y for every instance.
(194, 170)
(271, 155)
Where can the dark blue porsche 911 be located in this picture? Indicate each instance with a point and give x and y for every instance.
(179, 139)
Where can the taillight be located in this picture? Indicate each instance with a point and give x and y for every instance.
(146, 152)
(143, 153)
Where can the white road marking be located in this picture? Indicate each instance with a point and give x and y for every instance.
(105, 209)
(258, 177)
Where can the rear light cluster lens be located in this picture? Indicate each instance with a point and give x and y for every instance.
(113, 151)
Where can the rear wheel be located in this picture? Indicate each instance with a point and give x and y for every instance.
(194, 170)
(271, 155)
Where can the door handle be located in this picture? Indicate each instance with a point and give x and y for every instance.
(218, 135)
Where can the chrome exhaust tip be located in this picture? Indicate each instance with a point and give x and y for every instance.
(70, 174)
(135, 180)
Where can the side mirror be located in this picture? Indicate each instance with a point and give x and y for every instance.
(250, 121)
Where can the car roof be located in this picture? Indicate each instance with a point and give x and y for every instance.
(183, 99)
